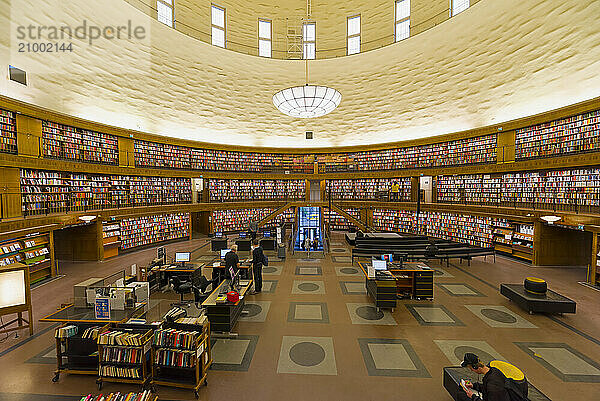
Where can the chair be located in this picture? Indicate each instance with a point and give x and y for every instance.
(181, 287)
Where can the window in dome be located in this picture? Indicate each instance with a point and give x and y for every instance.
(402, 19)
(218, 26)
(353, 34)
(264, 38)
(458, 6)
(164, 9)
(309, 40)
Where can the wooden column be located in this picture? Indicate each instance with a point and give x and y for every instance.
(505, 150)
(10, 192)
(29, 136)
(594, 260)
(126, 152)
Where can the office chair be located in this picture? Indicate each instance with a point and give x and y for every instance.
(181, 287)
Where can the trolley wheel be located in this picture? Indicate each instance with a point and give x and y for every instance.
(196, 394)
(99, 382)
(56, 377)
(206, 382)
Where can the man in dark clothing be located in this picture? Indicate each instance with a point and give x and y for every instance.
(492, 386)
(431, 250)
(258, 257)
(253, 228)
(231, 260)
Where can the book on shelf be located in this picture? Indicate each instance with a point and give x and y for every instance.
(8, 132)
(65, 142)
(152, 229)
(238, 219)
(235, 190)
(175, 338)
(122, 338)
(119, 372)
(67, 331)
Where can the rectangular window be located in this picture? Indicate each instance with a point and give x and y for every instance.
(354, 34)
(309, 39)
(458, 6)
(218, 26)
(165, 12)
(264, 38)
(402, 19)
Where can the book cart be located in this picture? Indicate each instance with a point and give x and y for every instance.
(181, 356)
(77, 349)
(124, 356)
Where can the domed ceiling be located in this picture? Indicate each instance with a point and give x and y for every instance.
(497, 61)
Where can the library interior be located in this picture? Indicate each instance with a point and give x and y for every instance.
(320, 200)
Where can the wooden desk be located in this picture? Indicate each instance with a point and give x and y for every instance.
(413, 278)
(223, 317)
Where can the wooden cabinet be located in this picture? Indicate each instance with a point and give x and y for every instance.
(10, 193)
(29, 136)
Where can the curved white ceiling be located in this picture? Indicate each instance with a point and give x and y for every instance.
(497, 61)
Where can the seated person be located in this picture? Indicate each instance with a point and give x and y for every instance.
(315, 244)
(494, 386)
(431, 250)
(231, 260)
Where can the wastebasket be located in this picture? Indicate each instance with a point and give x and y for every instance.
(281, 251)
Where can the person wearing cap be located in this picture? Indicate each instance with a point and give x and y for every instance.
(493, 384)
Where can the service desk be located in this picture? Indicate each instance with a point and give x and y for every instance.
(245, 267)
(414, 279)
(166, 272)
(224, 316)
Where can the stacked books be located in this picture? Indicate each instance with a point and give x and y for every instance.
(91, 332)
(121, 338)
(67, 331)
(192, 320)
(174, 313)
(115, 371)
(145, 396)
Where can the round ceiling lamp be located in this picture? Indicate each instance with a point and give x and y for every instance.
(308, 101)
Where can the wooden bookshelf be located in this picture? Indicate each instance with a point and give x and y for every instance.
(142, 231)
(368, 189)
(46, 192)
(338, 222)
(34, 250)
(514, 239)
(111, 238)
(8, 132)
(71, 143)
(394, 220)
(235, 220)
(564, 189)
(243, 190)
(575, 134)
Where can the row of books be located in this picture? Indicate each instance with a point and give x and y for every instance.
(175, 338)
(458, 152)
(178, 358)
(474, 230)
(368, 188)
(67, 331)
(144, 396)
(238, 219)
(146, 230)
(236, 190)
(573, 187)
(8, 132)
(574, 134)
(117, 337)
(122, 355)
(31, 250)
(91, 332)
(65, 142)
(118, 371)
(192, 320)
(339, 222)
(50, 191)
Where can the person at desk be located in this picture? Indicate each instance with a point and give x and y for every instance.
(495, 386)
(232, 260)
(431, 250)
(315, 244)
(258, 258)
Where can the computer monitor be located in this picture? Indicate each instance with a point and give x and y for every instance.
(388, 257)
(182, 256)
(379, 265)
(267, 234)
(224, 252)
(242, 234)
(218, 234)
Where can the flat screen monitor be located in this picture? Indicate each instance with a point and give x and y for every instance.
(388, 257)
(267, 234)
(218, 234)
(379, 264)
(182, 256)
(224, 252)
(242, 235)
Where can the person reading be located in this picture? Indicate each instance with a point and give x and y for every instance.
(495, 385)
